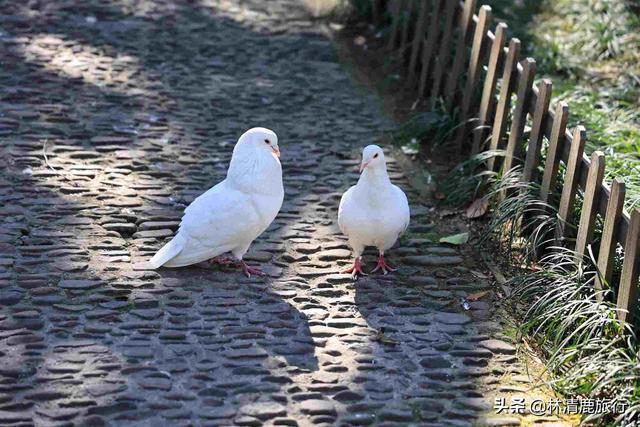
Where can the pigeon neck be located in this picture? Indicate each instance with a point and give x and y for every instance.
(375, 176)
(255, 172)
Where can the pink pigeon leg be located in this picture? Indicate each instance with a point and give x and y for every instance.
(248, 271)
(356, 269)
(382, 265)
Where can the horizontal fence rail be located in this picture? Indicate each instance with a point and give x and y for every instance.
(452, 55)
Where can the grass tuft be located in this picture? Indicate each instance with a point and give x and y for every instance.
(468, 180)
(430, 127)
(521, 221)
(575, 326)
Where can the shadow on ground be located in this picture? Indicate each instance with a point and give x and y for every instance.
(117, 114)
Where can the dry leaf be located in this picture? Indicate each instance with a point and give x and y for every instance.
(359, 41)
(384, 339)
(476, 296)
(477, 208)
(479, 274)
(530, 350)
(448, 212)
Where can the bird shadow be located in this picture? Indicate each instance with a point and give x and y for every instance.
(123, 150)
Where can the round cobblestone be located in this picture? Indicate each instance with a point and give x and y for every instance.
(137, 106)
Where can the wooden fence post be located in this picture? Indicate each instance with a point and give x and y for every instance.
(466, 19)
(375, 12)
(395, 8)
(538, 125)
(473, 74)
(518, 121)
(508, 82)
(554, 152)
(417, 41)
(444, 53)
(406, 26)
(590, 203)
(488, 98)
(628, 290)
(570, 182)
(429, 47)
(608, 242)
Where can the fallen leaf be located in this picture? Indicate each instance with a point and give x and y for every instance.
(530, 350)
(479, 274)
(442, 273)
(359, 41)
(412, 148)
(455, 239)
(384, 339)
(477, 208)
(476, 296)
(448, 212)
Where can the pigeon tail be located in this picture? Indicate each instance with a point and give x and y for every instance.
(168, 251)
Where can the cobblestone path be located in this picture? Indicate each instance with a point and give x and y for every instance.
(114, 115)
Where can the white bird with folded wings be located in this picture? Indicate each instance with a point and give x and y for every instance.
(232, 214)
(374, 212)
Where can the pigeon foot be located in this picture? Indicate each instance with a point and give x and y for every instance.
(248, 271)
(356, 269)
(382, 265)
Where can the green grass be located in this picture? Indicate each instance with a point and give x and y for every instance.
(587, 350)
(591, 51)
(468, 180)
(435, 126)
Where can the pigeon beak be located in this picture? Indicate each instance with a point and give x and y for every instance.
(363, 166)
(276, 152)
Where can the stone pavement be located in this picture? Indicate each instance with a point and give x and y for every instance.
(114, 115)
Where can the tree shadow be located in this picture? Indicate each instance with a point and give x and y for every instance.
(140, 105)
(124, 151)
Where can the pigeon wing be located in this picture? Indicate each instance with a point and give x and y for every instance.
(344, 210)
(403, 204)
(216, 222)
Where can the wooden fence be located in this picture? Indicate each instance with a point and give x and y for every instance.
(450, 53)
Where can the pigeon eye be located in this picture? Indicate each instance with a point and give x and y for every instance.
(375, 156)
(266, 141)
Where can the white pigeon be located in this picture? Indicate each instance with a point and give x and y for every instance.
(232, 214)
(374, 212)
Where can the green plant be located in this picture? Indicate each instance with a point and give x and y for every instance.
(468, 180)
(591, 51)
(586, 349)
(432, 127)
(521, 217)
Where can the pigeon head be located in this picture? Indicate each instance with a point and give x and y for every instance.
(255, 165)
(372, 158)
(260, 139)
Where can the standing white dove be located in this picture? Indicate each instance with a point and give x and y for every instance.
(232, 214)
(374, 212)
